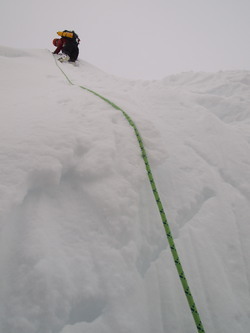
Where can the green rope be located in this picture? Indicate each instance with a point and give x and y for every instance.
(171, 242)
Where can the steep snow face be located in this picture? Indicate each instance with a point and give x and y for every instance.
(82, 246)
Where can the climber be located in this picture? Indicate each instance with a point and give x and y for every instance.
(68, 44)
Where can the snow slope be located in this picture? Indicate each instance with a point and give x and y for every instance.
(82, 245)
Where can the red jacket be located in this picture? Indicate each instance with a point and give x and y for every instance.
(61, 42)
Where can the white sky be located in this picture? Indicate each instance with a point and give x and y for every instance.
(146, 39)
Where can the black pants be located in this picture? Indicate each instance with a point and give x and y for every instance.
(71, 49)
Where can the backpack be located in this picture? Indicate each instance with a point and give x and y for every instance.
(70, 35)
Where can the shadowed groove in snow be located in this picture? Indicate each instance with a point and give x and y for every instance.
(185, 214)
(86, 310)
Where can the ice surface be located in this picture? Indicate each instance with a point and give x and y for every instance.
(82, 245)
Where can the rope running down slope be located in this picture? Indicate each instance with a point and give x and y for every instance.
(171, 242)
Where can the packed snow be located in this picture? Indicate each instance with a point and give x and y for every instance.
(82, 247)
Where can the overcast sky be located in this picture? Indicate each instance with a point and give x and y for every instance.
(138, 39)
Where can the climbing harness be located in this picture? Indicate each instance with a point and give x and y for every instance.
(171, 242)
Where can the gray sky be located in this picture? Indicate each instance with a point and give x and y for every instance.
(146, 39)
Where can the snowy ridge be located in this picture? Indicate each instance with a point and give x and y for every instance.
(82, 245)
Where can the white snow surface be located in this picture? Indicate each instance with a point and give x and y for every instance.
(82, 246)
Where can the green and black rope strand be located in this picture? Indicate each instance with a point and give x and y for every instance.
(168, 232)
